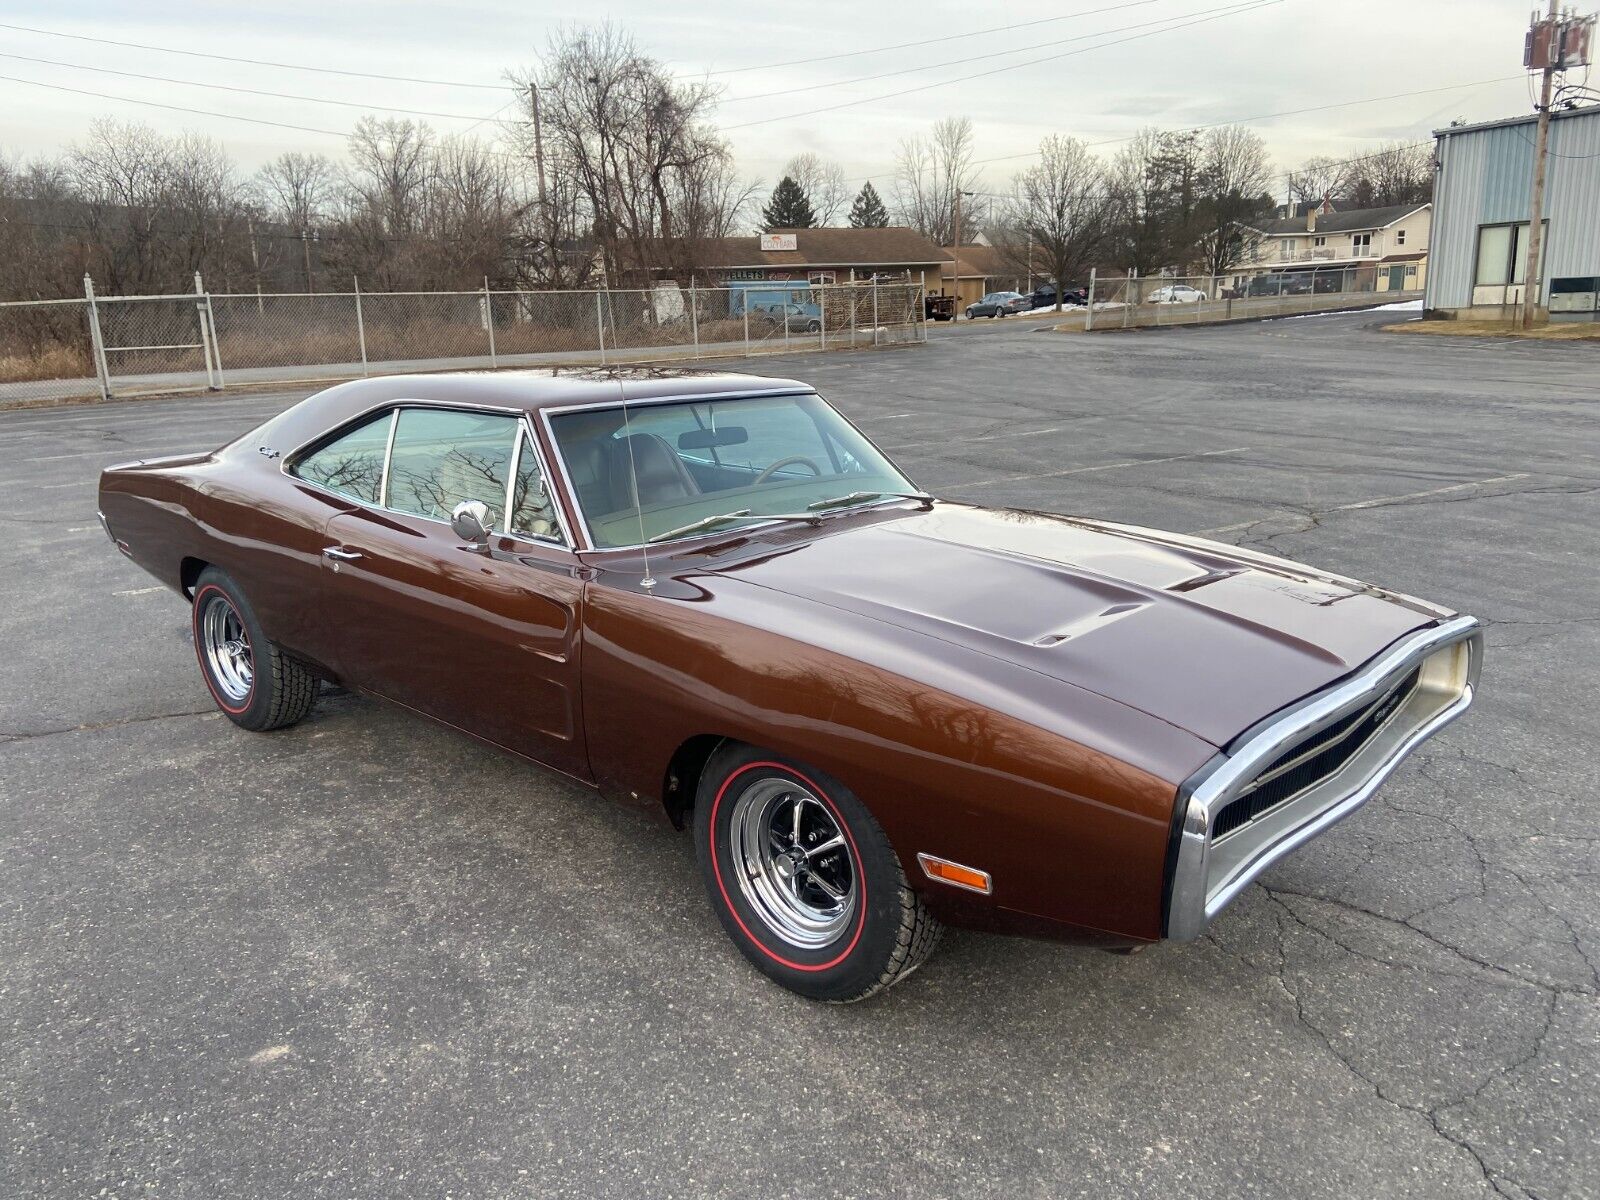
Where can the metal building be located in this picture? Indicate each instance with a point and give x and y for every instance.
(1480, 214)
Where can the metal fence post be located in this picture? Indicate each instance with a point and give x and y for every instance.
(694, 315)
(361, 324)
(874, 310)
(822, 319)
(97, 345)
(745, 306)
(488, 321)
(202, 307)
(1088, 312)
(1127, 297)
(600, 326)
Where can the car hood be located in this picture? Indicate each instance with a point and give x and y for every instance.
(1201, 635)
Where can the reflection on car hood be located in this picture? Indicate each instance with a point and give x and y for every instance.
(1203, 636)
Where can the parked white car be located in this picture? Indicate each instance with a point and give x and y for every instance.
(1176, 293)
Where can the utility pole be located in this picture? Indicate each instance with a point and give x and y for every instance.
(547, 227)
(307, 236)
(956, 237)
(1531, 283)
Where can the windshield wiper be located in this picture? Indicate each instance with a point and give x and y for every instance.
(811, 515)
(710, 522)
(855, 498)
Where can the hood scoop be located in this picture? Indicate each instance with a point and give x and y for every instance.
(1090, 623)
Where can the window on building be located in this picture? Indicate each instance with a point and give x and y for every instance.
(1361, 243)
(1399, 237)
(1286, 248)
(1411, 270)
(1319, 241)
(1502, 254)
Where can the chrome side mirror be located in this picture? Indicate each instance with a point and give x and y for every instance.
(469, 521)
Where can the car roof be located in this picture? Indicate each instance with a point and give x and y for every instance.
(523, 390)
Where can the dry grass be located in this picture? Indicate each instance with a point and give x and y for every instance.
(1563, 331)
(55, 362)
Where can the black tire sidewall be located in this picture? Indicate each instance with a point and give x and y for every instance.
(854, 962)
(258, 706)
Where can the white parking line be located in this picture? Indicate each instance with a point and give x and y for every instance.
(1373, 503)
(1132, 462)
(140, 591)
(993, 437)
(1431, 492)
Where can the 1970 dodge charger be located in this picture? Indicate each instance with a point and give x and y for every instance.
(711, 595)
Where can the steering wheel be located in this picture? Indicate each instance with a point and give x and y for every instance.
(785, 462)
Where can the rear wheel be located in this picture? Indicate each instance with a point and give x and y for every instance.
(255, 685)
(804, 879)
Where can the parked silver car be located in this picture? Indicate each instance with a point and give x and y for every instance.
(999, 304)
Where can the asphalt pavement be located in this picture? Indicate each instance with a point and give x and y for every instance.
(365, 957)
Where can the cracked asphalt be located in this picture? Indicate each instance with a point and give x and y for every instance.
(366, 958)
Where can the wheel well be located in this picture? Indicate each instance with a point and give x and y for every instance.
(189, 573)
(682, 779)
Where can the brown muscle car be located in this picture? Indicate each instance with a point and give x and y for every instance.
(710, 595)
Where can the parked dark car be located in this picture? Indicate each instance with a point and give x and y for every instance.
(999, 304)
(711, 596)
(1044, 296)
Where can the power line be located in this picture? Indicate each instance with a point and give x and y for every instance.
(1217, 15)
(1238, 121)
(254, 62)
(956, 62)
(949, 37)
(1293, 112)
(224, 87)
(203, 112)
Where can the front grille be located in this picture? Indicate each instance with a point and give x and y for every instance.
(1311, 761)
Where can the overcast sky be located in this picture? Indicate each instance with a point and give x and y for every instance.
(1284, 55)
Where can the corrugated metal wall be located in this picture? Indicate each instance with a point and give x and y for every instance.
(1487, 178)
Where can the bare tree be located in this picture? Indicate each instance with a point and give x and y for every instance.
(1396, 173)
(154, 210)
(298, 190)
(823, 183)
(633, 137)
(1318, 178)
(929, 172)
(1231, 195)
(1064, 206)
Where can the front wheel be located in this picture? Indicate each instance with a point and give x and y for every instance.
(803, 878)
(255, 685)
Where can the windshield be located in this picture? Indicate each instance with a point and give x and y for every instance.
(659, 468)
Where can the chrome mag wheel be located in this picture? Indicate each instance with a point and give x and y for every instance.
(793, 862)
(226, 646)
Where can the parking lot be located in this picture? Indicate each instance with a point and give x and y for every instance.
(366, 957)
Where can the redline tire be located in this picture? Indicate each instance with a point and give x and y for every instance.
(841, 953)
(255, 685)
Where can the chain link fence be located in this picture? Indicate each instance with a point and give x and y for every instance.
(1132, 302)
(129, 345)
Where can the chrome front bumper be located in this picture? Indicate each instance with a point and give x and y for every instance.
(1207, 872)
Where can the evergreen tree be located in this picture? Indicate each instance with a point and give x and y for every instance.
(868, 211)
(789, 208)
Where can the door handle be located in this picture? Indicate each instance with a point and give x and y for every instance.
(341, 554)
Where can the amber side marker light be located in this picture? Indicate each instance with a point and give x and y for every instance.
(946, 871)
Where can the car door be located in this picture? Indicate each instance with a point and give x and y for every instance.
(483, 638)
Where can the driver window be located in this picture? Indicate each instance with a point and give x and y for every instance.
(441, 458)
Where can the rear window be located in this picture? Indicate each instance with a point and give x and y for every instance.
(351, 464)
